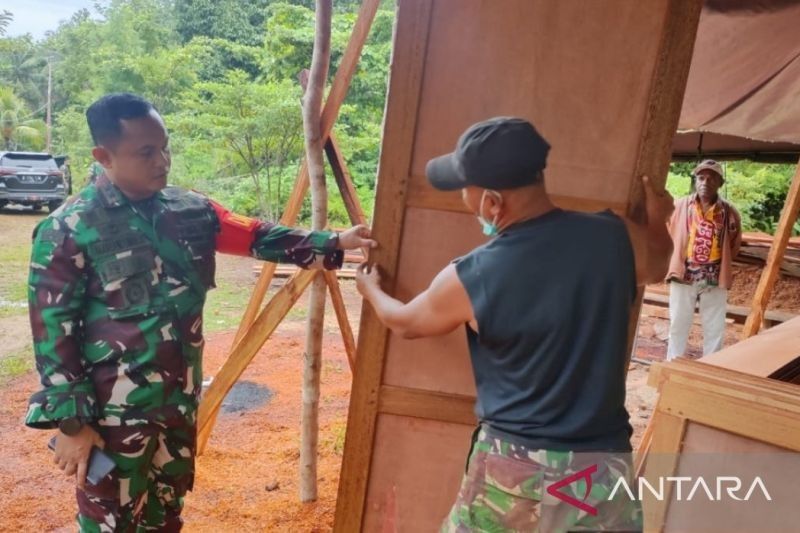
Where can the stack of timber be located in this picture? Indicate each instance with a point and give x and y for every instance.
(755, 247)
(774, 353)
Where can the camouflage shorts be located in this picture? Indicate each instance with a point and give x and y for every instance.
(508, 487)
(154, 470)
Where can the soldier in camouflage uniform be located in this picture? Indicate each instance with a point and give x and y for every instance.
(546, 303)
(118, 280)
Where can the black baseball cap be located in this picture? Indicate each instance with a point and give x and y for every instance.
(499, 153)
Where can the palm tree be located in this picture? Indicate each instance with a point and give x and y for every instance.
(24, 70)
(5, 20)
(17, 129)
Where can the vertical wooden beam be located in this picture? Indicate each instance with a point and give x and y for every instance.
(662, 460)
(663, 111)
(407, 68)
(666, 97)
(791, 209)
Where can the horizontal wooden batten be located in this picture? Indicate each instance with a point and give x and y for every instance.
(425, 197)
(758, 422)
(419, 403)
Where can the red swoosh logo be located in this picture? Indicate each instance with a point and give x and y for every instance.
(586, 474)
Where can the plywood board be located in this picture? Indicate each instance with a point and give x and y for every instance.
(603, 82)
(408, 450)
(762, 355)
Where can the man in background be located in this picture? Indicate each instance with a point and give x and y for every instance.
(707, 233)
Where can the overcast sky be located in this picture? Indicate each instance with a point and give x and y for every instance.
(38, 16)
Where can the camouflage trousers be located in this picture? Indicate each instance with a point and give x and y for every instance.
(154, 470)
(508, 487)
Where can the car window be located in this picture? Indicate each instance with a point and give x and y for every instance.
(24, 162)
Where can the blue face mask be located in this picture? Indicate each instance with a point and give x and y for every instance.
(489, 228)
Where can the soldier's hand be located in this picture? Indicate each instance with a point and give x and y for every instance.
(356, 237)
(72, 453)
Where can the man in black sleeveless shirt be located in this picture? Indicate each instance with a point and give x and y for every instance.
(546, 304)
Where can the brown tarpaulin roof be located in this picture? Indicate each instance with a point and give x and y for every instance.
(743, 94)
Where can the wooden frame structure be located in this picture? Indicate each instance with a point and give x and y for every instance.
(258, 323)
(410, 412)
(704, 409)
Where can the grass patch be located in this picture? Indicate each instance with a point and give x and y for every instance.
(14, 279)
(15, 364)
(334, 438)
(225, 306)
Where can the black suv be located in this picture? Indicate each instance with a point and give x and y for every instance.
(31, 178)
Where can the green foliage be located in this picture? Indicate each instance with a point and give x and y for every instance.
(5, 19)
(223, 73)
(18, 131)
(238, 21)
(14, 279)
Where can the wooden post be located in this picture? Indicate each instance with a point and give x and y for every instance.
(769, 275)
(405, 84)
(312, 105)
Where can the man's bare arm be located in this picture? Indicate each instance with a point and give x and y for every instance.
(440, 309)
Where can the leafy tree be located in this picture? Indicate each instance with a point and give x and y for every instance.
(18, 131)
(239, 21)
(23, 69)
(259, 123)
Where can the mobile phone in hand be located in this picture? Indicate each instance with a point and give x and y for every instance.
(100, 464)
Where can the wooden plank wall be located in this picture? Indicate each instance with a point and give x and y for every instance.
(603, 82)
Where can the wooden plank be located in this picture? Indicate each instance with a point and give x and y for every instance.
(760, 422)
(762, 355)
(347, 66)
(738, 313)
(643, 449)
(426, 197)
(337, 300)
(289, 217)
(737, 384)
(244, 351)
(344, 181)
(666, 98)
(418, 403)
(399, 127)
(665, 446)
(663, 111)
(769, 275)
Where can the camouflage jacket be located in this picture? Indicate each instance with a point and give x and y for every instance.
(116, 295)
